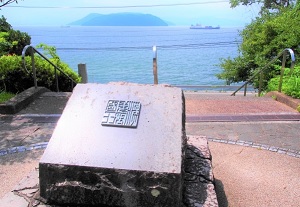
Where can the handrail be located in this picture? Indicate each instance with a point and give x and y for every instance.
(284, 54)
(32, 51)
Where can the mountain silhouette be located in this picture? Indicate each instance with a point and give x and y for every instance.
(120, 19)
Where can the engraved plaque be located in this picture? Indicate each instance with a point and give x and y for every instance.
(122, 113)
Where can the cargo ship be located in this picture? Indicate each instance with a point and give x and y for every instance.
(199, 26)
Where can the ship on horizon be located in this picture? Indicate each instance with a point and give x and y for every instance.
(199, 26)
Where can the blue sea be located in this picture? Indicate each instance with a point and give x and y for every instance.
(184, 56)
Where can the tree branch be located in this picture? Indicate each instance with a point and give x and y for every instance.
(8, 2)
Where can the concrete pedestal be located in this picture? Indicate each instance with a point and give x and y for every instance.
(87, 163)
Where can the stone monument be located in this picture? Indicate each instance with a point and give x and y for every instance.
(117, 144)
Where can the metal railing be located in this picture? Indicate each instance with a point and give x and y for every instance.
(32, 51)
(260, 71)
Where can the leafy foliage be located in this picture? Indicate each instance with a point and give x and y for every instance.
(49, 51)
(14, 78)
(290, 84)
(4, 25)
(12, 41)
(267, 4)
(263, 39)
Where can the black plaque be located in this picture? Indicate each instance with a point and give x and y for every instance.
(122, 113)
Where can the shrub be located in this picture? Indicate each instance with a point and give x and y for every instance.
(14, 78)
(4, 45)
(290, 83)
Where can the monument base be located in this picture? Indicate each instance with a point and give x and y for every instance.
(75, 185)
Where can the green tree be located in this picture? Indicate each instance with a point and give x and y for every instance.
(12, 41)
(18, 41)
(262, 40)
(4, 25)
(267, 4)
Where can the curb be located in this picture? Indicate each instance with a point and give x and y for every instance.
(21, 100)
(287, 100)
(258, 146)
(19, 149)
(242, 117)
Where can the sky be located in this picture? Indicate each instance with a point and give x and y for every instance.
(179, 12)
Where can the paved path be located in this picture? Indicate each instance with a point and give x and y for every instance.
(272, 179)
(247, 170)
(217, 116)
(254, 178)
(256, 120)
(199, 104)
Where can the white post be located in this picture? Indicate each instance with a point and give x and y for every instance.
(155, 65)
(82, 72)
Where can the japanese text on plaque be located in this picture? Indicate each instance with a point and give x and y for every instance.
(121, 113)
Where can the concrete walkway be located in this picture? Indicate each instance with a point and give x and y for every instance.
(256, 162)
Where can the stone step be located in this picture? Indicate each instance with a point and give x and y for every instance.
(219, 95)
(56, 94)
(48, 103)
(21, 100)
(243, 117)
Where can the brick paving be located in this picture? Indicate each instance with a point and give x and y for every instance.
(217, 104)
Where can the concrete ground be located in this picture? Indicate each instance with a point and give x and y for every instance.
(15, 166)
(255, 163)
(252, 177)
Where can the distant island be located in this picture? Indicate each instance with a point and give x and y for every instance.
(120, 19)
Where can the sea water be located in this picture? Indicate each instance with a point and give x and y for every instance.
(184, 56)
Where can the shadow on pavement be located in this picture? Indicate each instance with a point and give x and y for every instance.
(22, 157)
(221, 195)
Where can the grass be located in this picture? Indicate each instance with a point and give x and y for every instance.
(4, 96)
